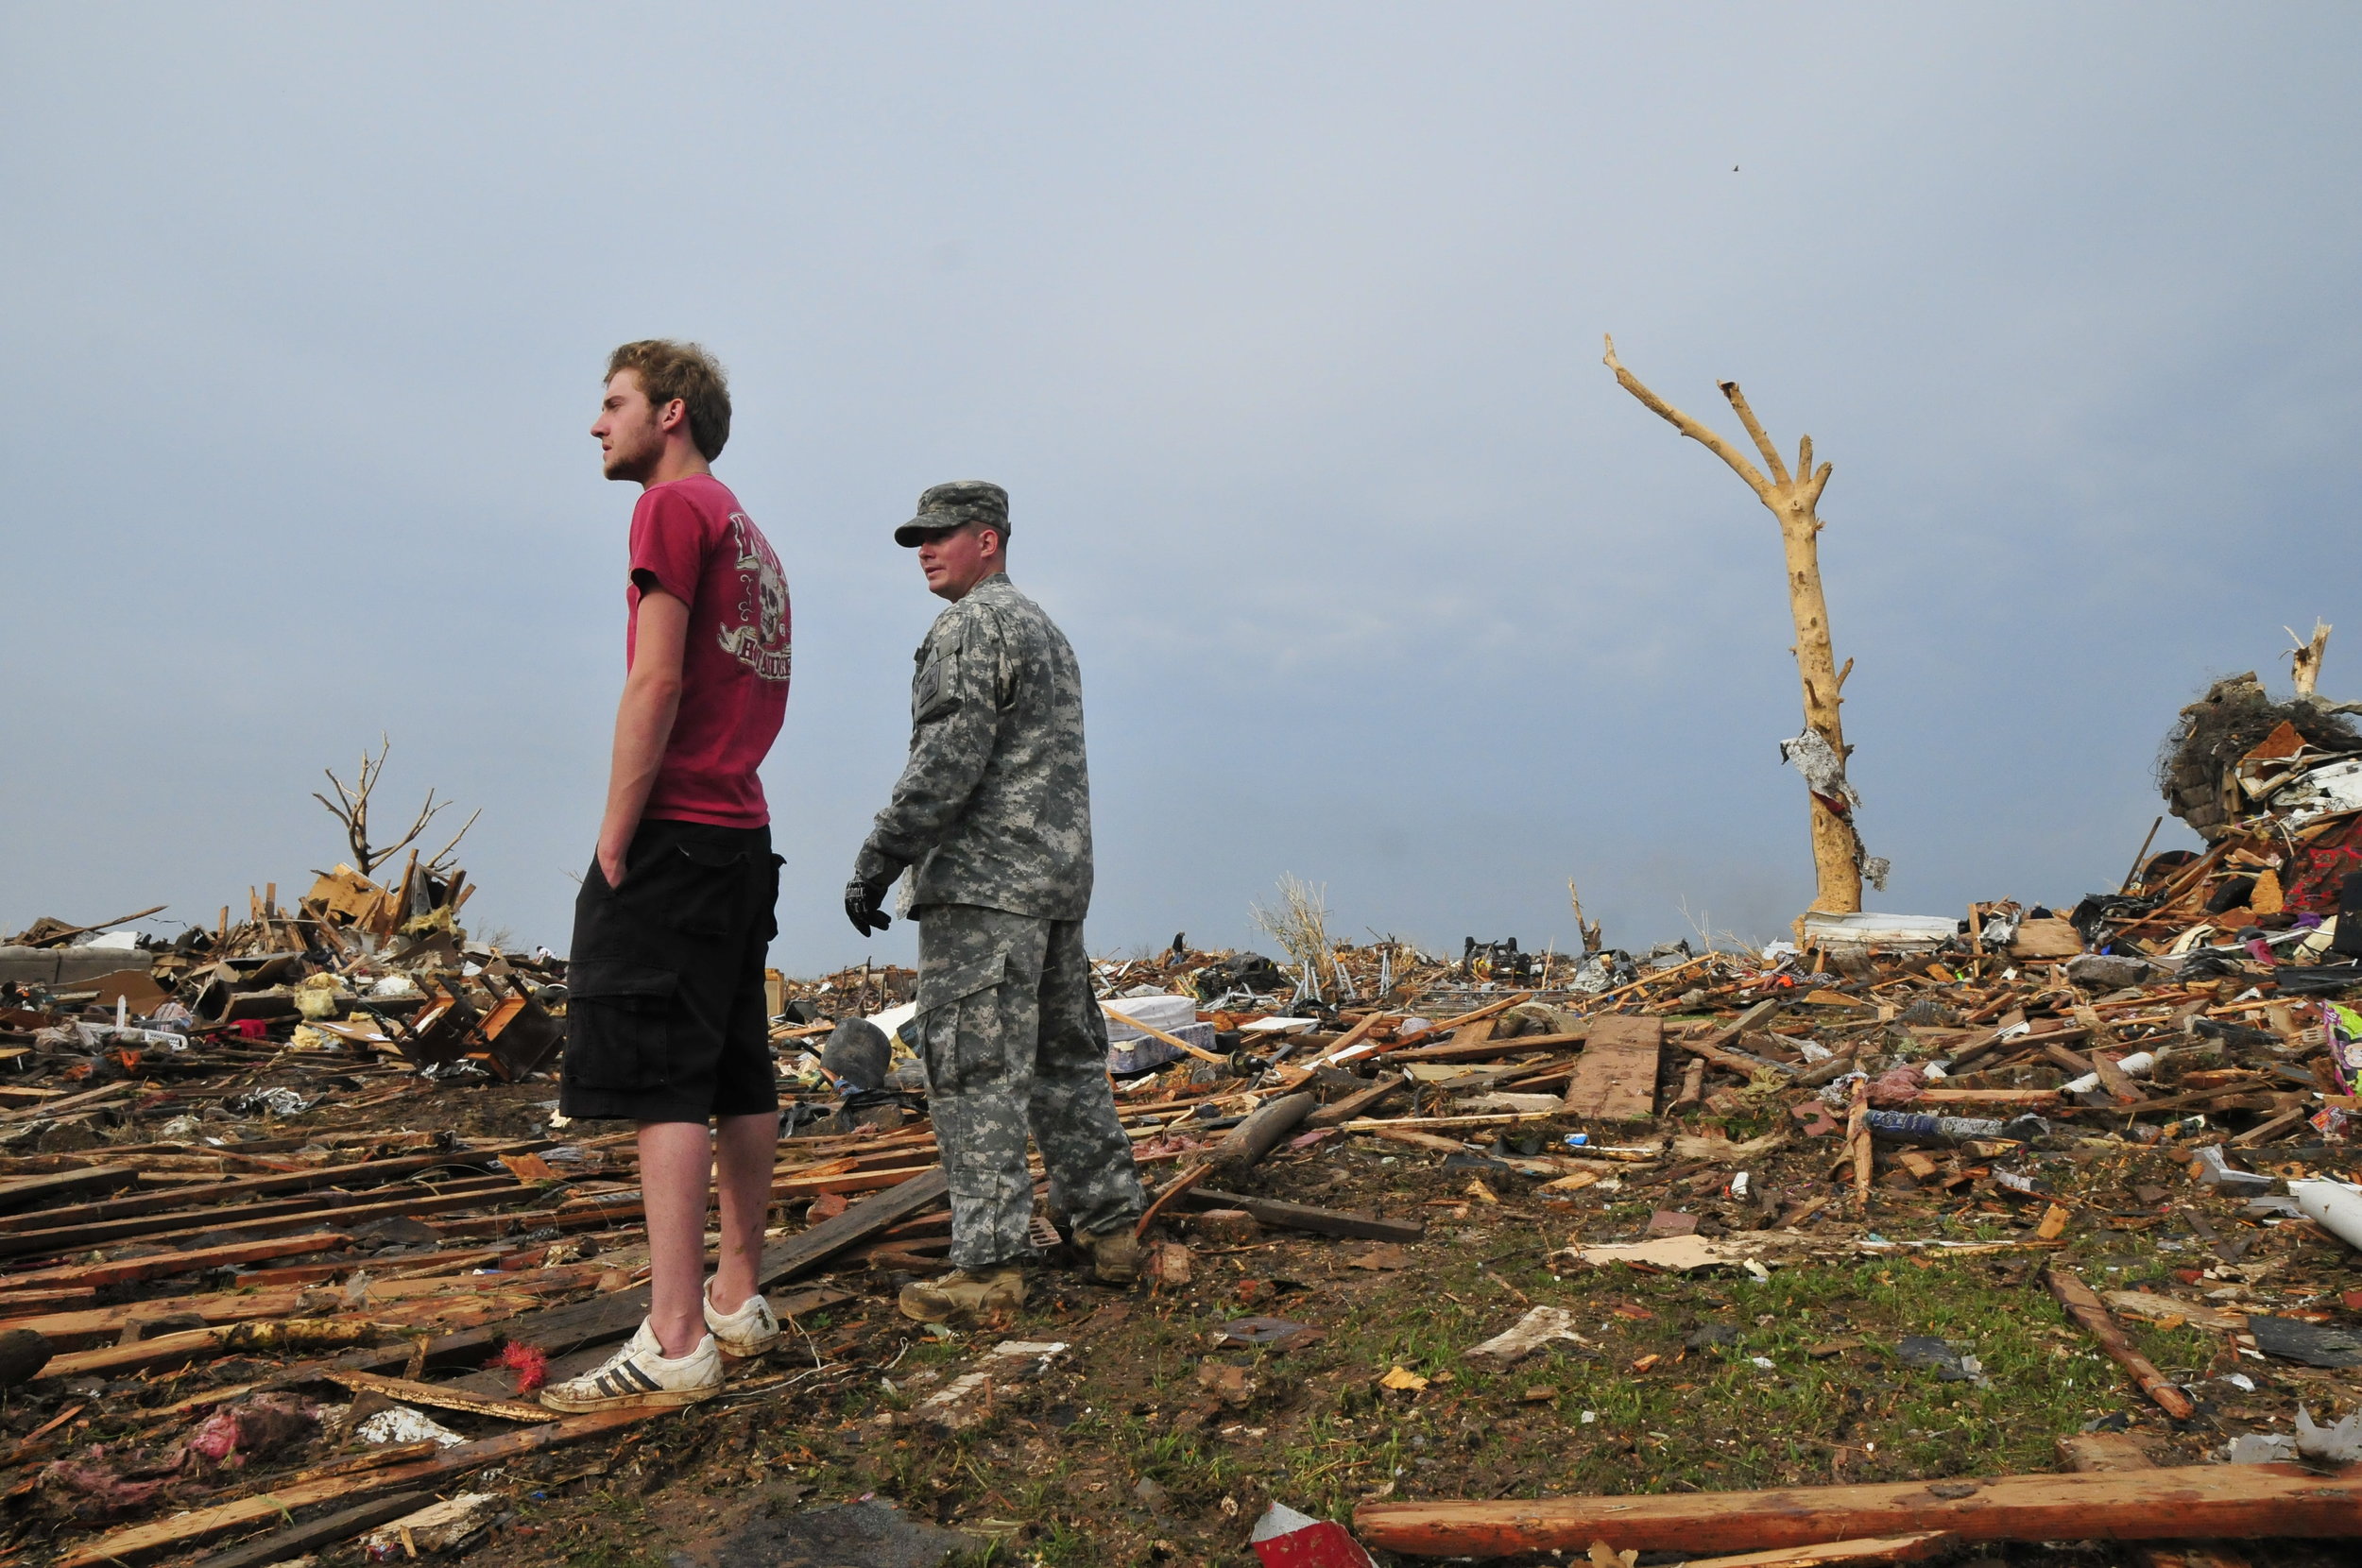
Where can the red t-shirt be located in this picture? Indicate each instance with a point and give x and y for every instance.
(690, 539)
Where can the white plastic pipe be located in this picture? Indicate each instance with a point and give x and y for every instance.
(2134, 1066)
(2335, 1206)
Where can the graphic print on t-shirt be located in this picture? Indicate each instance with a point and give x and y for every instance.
(760, 639)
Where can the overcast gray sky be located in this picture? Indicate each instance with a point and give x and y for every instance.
(1281, 324)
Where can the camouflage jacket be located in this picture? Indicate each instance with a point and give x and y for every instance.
(994, 806)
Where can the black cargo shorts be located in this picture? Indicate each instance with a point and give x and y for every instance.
(665, 1019)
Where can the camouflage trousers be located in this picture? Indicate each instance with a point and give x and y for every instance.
(1012, 1037)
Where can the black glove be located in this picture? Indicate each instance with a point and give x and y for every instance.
(864, 895)
(862, 901)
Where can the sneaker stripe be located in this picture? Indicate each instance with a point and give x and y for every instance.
(650, 1384)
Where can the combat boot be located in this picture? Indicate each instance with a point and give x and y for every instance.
(1115, 1255)
(961, 1294)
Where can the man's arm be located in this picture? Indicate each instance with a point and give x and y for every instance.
(951, 741)
(643, 724)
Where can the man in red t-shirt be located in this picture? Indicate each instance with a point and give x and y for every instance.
(665, 1016)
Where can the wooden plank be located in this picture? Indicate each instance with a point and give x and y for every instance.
(1729, 1033)
(17, 1304)
(1857, 1141)
(1489, 1010)
(442, 1398)
(223, 1306)
(2115, 1080)
(2094, 1453)
(367, 1174)
(2070, 1061)
(2209, 1502)
(1352, 1037)
(1492, 1119)
(1448, 1027)
(1616, 1077)
(2165, 1310)
(163, 1266)
(1155, 1033)
(1305, 1216)
(859, 1222)
(287, 1214)
(2090, 1312)
(80, 1100)
(851, 1181)
(553, 1280)
(62, 935)
(589, 1213)
(297, 1540)
(1489, 1050)
(1916, 1547)
(136, 1541)
(1721, 1048)
(561, 1329)
(2265, 1132)
(62, 1184)
(1359, 1102)
(284, 1335)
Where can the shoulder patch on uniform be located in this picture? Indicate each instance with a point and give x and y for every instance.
(948, 636)
(983, 618)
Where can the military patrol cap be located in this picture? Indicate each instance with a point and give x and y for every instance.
(954, 506)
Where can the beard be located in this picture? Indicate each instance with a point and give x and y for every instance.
(635, 453)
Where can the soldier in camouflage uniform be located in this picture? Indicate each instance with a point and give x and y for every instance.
(991, 818)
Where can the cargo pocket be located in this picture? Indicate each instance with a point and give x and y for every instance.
(618, 1024)
(769, 881)
(959, 1018)
(704, 889)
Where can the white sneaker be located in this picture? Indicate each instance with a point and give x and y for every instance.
(641, 1375)
(749, 1331)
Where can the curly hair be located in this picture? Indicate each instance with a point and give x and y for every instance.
(668, 369)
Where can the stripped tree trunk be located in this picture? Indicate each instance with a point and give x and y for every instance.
(2304, 659)
(1838, 858)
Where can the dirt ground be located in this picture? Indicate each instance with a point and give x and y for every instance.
(1137, 1446)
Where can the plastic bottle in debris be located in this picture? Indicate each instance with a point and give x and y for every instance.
(1915, 1127)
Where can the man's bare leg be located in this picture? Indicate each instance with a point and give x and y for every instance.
(675, 1187)
(746, 1149)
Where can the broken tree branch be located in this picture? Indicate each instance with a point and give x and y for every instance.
(351, 809)
(1838, 860)
(439, 860)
